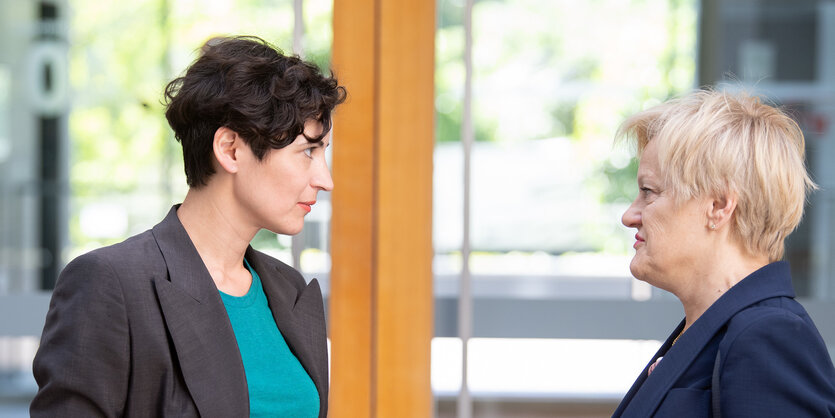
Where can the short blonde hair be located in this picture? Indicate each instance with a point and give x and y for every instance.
(711, 143)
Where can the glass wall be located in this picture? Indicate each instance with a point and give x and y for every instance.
(551, 81)
(558, 324)
(549, 90)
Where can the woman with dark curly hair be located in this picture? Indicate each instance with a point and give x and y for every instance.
(186, 319)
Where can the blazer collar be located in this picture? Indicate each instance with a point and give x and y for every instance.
(199, 326)
(299, 315)
(185, 267)
(203, 337)
(647, 393)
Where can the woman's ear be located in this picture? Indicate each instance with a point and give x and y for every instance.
(721, 211)
(225, 146)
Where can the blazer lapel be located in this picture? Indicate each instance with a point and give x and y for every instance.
(199, 326)
(677, 358)
(627, 400)
(300, 318)
(648, 392)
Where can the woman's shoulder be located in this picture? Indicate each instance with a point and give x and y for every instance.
(771, 321)
(772, 361)
(770, 312)
(129, 256)
(139, 244)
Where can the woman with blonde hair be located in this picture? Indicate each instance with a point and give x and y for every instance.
(722, 183)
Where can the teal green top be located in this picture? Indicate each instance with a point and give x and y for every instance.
(278, 384)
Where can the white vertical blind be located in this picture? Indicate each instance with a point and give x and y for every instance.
(298, 27)
(465, 299)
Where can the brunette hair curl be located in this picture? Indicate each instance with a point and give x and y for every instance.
(251, 87)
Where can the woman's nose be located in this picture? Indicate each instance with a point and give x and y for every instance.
(322, 178)
(632, 217)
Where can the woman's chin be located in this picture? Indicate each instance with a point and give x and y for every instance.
(286, 229)
(640, 272)
(636, 269)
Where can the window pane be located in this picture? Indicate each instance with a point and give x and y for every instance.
(548, 186)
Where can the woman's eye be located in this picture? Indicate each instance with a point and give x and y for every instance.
(308, 152)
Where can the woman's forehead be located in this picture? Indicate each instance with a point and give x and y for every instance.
(648, 164)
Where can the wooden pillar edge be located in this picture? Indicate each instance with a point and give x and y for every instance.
(381, 244)
(352, 223)
(404, 265)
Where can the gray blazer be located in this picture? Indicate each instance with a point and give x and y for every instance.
(138, 329)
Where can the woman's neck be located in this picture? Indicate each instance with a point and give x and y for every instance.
(728, 266)
(219, 235)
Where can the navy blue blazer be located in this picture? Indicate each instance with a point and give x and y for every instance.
(769, 357)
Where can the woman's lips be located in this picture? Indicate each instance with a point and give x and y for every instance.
(306, 205)
(638, 240)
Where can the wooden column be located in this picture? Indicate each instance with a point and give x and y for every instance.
(381, 243)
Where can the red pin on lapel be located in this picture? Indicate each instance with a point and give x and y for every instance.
(654, 365)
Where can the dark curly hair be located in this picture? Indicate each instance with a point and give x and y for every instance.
(249, 86)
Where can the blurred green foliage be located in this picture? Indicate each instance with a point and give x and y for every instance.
(562, 68)
(122, 54)
(542, 69)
